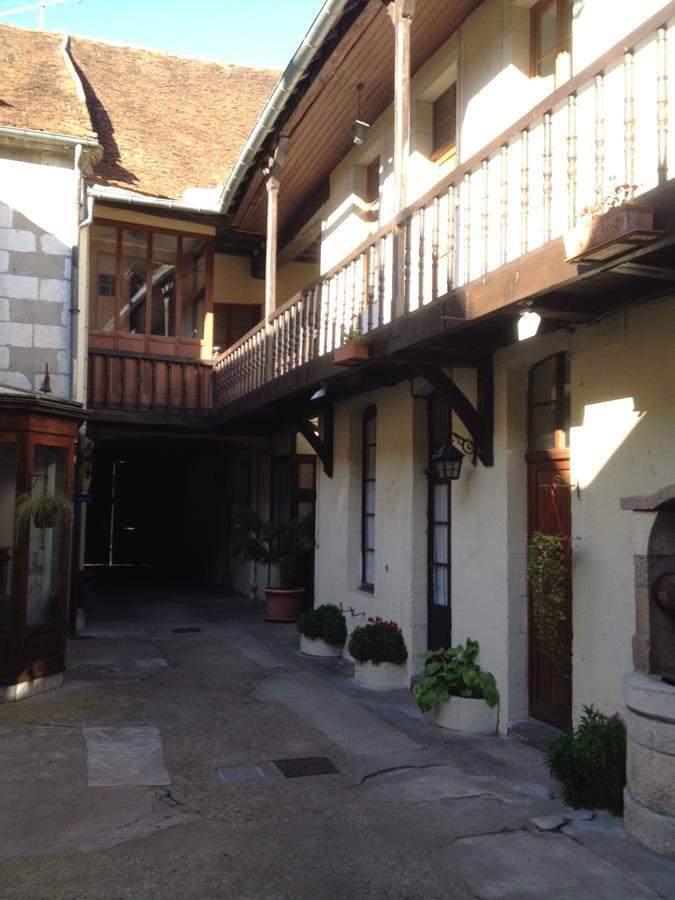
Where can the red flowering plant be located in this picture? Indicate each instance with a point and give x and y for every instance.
(620, 194)
(377, 642)
(353, 334)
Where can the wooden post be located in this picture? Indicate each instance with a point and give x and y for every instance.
(273, 182)
(401, 13)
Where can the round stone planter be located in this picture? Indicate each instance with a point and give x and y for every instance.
(649, 797)
(283, 605)
(318, 647)
(465, 714)
(381, 676)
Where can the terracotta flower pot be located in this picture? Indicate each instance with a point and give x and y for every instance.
(351, 353)
(606, 227)
(283, 605)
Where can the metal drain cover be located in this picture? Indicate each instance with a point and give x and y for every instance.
(306, 766)
(185, 630)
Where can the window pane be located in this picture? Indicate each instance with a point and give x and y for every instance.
(369, 499)
(441, 543)
(306, 476)
(543, 383)
(370, 532)
(164, 249)
(548, 31)
(369, 568)
(45, 552)
(193, 300)
(440, 586)
(444, 119)
(133, 303)
(370, 428)
(8, 455)
(547, 67)
(371, 462)
(103, 281)
(441, 495)
(542, 428)
(305, 508)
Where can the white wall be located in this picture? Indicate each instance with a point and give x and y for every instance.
(38, 229)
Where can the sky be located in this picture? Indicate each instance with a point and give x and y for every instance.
(263, 33)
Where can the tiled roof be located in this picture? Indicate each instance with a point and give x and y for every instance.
(167, 123)
(37, 90)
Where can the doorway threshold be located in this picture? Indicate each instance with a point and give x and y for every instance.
(535, 733)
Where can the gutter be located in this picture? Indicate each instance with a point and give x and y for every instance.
(49, 137)
(119, 195)
(295, 71)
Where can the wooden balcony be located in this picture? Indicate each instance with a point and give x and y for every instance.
(130, 382)
(469, 247)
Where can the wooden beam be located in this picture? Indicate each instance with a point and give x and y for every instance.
(646, 271)
(321, 444)
(478, 422)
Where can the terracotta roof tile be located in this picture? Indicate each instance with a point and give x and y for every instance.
(167, 123)
(37, 89)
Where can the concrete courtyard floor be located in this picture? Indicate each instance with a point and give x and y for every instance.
(151, 774)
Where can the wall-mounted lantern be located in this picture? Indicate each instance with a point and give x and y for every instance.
(446, 462)
(359, 128)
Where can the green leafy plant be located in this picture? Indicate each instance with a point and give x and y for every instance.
(281, 544)
(45, 511)
(353, 334)
(547, 572)
(326, 623)
(454, 673)
(590, 762)
(377, 642)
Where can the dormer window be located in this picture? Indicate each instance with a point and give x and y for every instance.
(550, 25)
(444, 127)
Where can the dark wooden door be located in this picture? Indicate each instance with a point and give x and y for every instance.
(550, 512)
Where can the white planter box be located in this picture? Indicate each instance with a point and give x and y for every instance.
(381, 676)
(464, 714)
(317, 647)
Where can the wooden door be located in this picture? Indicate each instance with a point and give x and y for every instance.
(549, 511)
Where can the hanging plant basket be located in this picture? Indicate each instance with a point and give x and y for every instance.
(45, 511)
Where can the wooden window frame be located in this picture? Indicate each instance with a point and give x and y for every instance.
(442, 152)
(563, 32)
(561, 405)
(110, 339)
(366, 477)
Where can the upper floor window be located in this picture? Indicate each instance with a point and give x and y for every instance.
(148, 282)
(549, 403)
(550, 24)
(444, 124)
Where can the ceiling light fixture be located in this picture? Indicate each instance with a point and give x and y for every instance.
(359, 128)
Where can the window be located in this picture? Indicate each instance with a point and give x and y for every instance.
(368, 500)
(444, 127)
(549, 403)
(373, 188)
(149, 283)
(550, 35)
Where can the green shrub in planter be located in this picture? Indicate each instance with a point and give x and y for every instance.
(590, 762)
(377, 642)
(326, 623)
(453, 673)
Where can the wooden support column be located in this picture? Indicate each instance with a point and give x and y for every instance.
(401, 13)
(273, 182)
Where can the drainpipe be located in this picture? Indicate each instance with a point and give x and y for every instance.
(75, 374)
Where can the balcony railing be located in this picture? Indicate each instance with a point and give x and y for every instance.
(131, 381)
(607, 126)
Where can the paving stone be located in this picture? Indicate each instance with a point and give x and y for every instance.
(124, 756)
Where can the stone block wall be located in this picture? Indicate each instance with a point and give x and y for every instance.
(37, 232)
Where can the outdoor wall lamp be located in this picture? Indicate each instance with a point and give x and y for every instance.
(320, 393)
(359, 128)
(528, 323)
(446, 462)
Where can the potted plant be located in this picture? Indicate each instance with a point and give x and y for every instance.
(547, 573)
(44, 510)
(323, 631)
(354, 345)
(280, 544)
(379, 653)
(460, 695)
(613, 217)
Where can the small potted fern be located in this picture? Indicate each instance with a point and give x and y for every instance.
(42, 509)
(323, 631)
(456, 691)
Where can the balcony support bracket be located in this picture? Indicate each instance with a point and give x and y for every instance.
(478, 420)
(321, 443)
